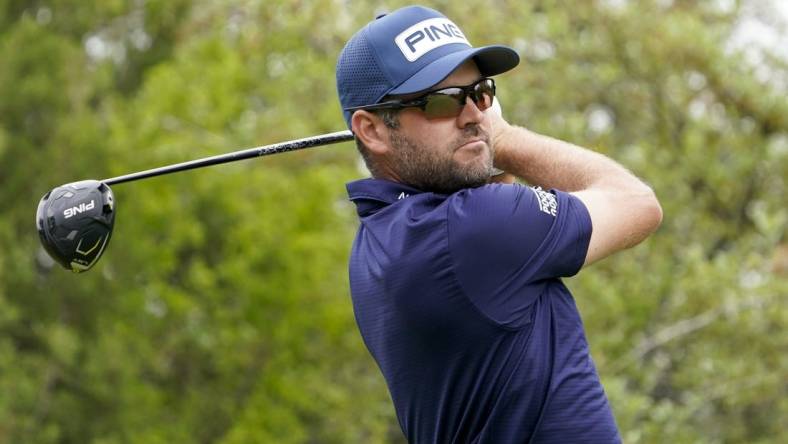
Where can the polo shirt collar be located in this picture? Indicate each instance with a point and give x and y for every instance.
(370, 195)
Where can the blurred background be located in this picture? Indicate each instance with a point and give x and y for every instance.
(220, 312)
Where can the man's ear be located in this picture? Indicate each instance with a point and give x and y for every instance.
(370, 129)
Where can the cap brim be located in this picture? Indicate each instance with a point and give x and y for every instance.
(490, 60)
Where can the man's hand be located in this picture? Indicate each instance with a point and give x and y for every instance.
(498, 124)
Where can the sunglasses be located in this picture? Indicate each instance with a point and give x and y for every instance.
(444, 102)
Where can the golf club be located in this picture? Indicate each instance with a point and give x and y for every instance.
(75, 220)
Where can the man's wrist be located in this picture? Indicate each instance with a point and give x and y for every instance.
(509, 142)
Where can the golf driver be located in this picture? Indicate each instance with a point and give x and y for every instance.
(75, 220)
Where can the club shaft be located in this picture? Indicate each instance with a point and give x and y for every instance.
(292, 145)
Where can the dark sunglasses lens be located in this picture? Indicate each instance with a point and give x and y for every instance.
(449, 102)
(483, 94)
(446, 103)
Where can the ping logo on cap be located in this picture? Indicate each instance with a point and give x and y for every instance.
(427, 35)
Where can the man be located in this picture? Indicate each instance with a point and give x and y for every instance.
(456, 280)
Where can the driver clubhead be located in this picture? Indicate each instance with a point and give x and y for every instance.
(75, 223)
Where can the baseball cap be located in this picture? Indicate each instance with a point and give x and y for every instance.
(408, 51)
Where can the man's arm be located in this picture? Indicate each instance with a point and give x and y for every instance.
(623, 209)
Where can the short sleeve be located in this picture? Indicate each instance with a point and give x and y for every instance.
(506, 240)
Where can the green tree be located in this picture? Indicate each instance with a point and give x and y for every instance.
(220, 312)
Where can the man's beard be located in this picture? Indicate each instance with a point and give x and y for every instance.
(436, 170)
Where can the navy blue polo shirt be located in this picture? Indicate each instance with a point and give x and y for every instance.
(459, 300)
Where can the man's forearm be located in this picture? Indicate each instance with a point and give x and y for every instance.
(552, 163)
(623, 209)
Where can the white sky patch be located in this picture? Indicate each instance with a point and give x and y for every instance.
(43, 16)
(538, 50)
(614, 4)
(754, 34)
(696, 80)
(697, 108)
(361, 166)
(140, 39)
(97, 48)
(762, 32)
(600, 119)
(752, 31)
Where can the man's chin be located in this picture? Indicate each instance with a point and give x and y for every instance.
(481, 166)
(475, 177)
(456, 181)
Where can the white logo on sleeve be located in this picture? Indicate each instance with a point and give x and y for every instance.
(547, 201)
(427, 35)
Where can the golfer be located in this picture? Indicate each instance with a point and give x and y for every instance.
(456, 278)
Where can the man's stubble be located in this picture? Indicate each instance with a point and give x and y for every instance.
(436, 170)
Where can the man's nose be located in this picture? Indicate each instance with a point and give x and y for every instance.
(470, 114)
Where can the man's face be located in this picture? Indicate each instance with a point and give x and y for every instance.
(445, 154)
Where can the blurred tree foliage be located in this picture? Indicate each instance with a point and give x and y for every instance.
(220, 312)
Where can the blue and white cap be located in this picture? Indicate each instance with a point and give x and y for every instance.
(408, 51)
